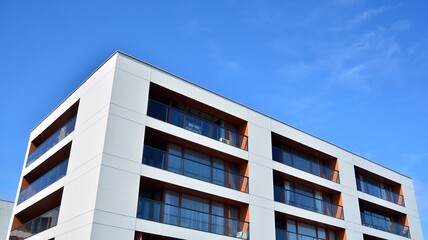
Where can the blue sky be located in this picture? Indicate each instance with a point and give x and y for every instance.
(352, 72)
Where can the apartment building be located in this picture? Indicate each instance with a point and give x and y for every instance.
(138, 153)
(5, 214)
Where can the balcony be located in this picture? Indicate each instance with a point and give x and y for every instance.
(379, 192)
(195, 124)
(35, 226)
(302, 163)
(55, 138)
(310, 203)
(157, 211)
(383, 223)
(187, 167)
(44, 181)
(282, 234)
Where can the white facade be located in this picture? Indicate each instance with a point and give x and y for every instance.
(98, 197)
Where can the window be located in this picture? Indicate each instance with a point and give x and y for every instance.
(295, 230)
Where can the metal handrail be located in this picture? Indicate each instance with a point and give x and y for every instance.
(243, 180)
(324, 171)
(44, 181)
(369, 220)
(326, 208)
(167, 111)
(397, 198)
(55, 138)
(175, 215)
(36, 225)
(282, 234)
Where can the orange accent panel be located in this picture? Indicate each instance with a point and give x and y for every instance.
(16, 223)
(244, 171)
(339, 213)
(341, 235)
(401, 198)
(244, 143)
(245, 214)
(24, 184)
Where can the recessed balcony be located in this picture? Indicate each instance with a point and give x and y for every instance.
(196, 166)
(44, 181)
(196, 124)
(307, 200)
(304, 162)
(282, 234)
(191, 218)
(380, 192)
(293, 228)
(378, 186)
(36, 225)
(51, 141)
(383, 218)
(384, 223)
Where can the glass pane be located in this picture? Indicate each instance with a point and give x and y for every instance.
(157, 110)
(177, 117)
(217, 218)
(193, 124)
(199, 217)
(199, 165)
(218, 171)
(234, 180)
(302, 164)
(316, 168)
(306, 229)
(287, 158)
(291, 226)
(305, 198)
(174, 158)
(233, 225)
(321, 233)
(331, 235)
(170, 209)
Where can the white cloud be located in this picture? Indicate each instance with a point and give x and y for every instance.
(366, 15)
(370, 59)
(354, 76)
(219, 59)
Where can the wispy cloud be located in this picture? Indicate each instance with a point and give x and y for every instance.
(366, 15)
(360, 63)
(369, 59)
(217, 55)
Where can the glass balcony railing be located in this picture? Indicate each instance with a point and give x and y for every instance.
(192, 123)
(174, 215)
(183, 166)
(44, 181)
(282, 234)
(301, 163)
(307, 202)
(55, 138)
(35, 226)
(383, 223)
(379, 192)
